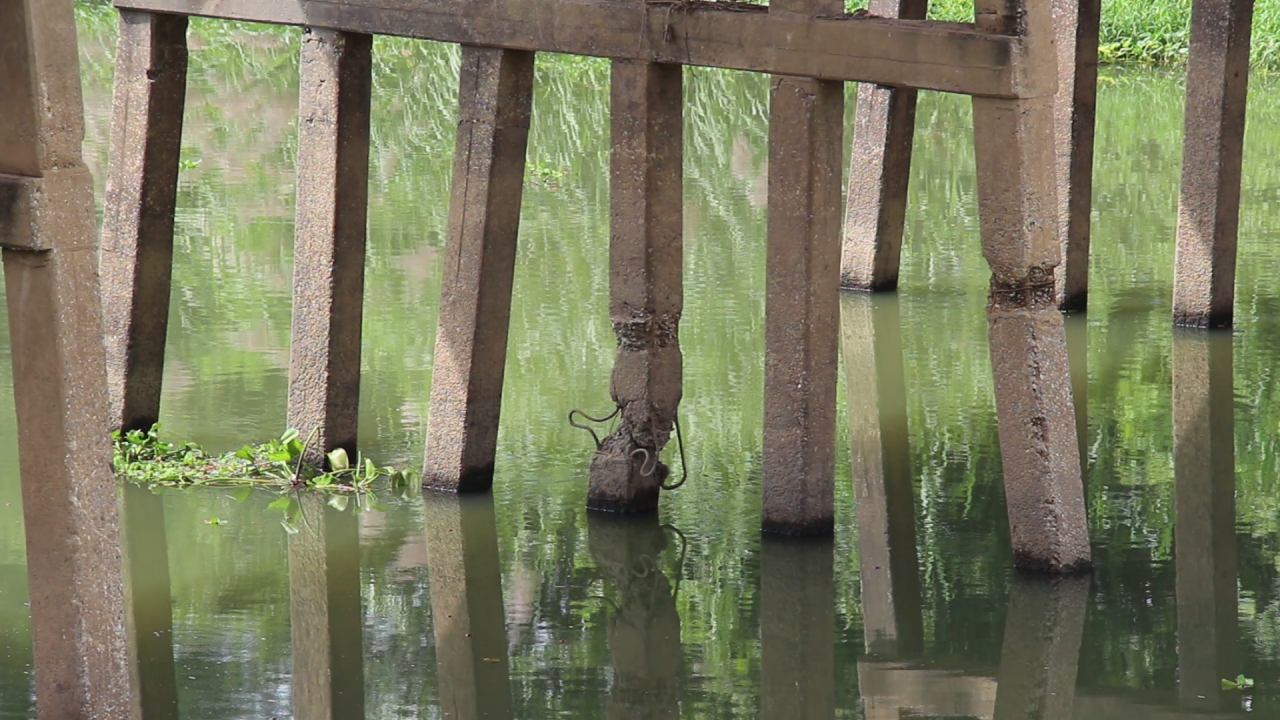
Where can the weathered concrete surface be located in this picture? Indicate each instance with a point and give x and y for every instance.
(644, 627)
(324, 612)
(646, 266)
(884, 129)
(1213, 147)
(59, 371)
(334, 95)
(1078, 365)
(888, 566)
(466, 607)
(802, 298)
(137, 227)
(495, 96)
(1041, 651)
(1205, 515)
(1076, 23)
(797, 629)
(148, 604)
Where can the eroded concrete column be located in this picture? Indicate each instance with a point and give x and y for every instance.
(646, 265)
(1014, 142)
(494, 100)
(148, 603)
(334, 86)
(1205, 548)
(644, 628)
(802, 307)
(59, 369)
(137, 226)
(1212, 151)
(884, 130)
(1041, 651)
(324, 612)
(1076, 23)
(797, 629)
(466, 607)
(1078, 363)
(889, 570)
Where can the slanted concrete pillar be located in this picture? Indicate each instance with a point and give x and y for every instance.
(1205, 514)
(148, 603)
(335, 79)
(1014, 141)
(797, 629)
(644, 627)
(1041, 654)
(466, 607)
(494, 101)
(1076, 23)
(324, 612)
(1213, 147)
(646, 284)
(871, 328)
(59, 369)
(884, 129)
(802, 310)
(137, 226)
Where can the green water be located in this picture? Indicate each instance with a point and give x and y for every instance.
(522, 606)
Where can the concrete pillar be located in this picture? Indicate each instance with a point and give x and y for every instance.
(335, 79)
(1078, 364)
(646, 284)
(1205, 514)
(137, 226)
(889, 569)
(1213, 145)
(494, 101)
(1041, 651)
(797, 629)
(884, 129)
(148, 604)
(802, 311)
(644, 626)
(1014, 141)
(466, 607)
(324, 612)
(1076, 23)
(59, 369)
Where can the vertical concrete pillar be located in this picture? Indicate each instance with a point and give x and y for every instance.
(494, 101)
(1041, 651)
(137, 226)
(644, 628)
(1212, 150)
(324, 612)
(1014, 141)
(889, 569)
(1078, 364)
(334, 86)
(646, 283)
(1205, 515)
(797, 629)
(802, 310)
(466, 607)
(1076, 23)
(879, 171)
(148, 604)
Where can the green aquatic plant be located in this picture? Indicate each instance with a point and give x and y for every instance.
(1240, 683)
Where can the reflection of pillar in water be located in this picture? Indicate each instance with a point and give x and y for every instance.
(1205, 549)
(148, 603)
(324, 610)
(797, 630)
(644, 631)
(889, 569)
(1041, 653)
(466, 607)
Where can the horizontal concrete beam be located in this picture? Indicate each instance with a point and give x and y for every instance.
(951, 57)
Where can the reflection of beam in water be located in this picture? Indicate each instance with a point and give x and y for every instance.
(466, 607)
(893, 690)
(797, 630)
(1205, 549)
(1041, 651)
(324, 602)
(871, 330)
(644, 630)
(148, 603)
